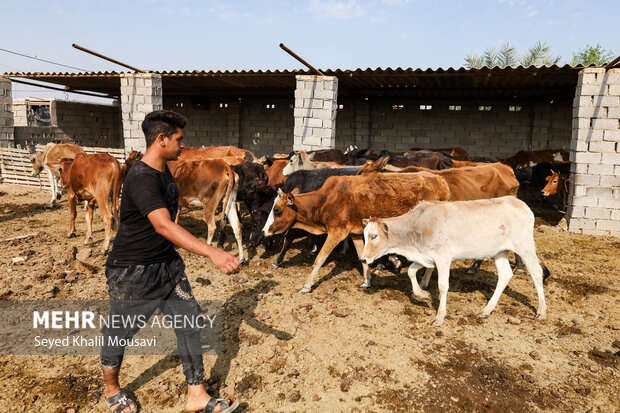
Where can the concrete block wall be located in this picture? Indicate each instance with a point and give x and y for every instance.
(20, 112)
(207, 122)
(267, 125)
(498, 132)
(316, 105)
(6, 113)
(595, 152)
(88, 124)
(141, 93)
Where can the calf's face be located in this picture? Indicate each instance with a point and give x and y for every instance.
(375, 240)
(552, 184)
(36, 160)
(282, 214)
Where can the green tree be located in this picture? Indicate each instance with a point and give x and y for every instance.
(507, 56)
(592, 54)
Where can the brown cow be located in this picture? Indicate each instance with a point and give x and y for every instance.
(52, 154)
(339, 206)
(92, 178)
(524, 159)
(274, 172)
(206, 183)
(231, 154)
(557, 183)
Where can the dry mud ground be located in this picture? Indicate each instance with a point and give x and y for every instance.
(338, 349)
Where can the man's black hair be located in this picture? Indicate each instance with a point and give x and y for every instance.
(161, 121)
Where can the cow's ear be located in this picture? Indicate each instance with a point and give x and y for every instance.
(311, 155)
(296, 190)
(280, 193)
(552, 171)
(33, 157)
(384, 227)
(365, 221)
(290, 199)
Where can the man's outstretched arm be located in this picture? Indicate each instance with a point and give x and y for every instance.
(179, 236)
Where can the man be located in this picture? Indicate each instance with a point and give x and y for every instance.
(143, 264)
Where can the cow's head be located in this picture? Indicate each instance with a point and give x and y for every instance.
(36, 159)
(62, 166)
(376, 234)
(553, 182)
(297, 162)
(283, 213)
(132, 159)
(371, 166)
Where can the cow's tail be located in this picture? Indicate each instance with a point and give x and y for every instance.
(546, 272)
(254, 158)
(231, 195)
(117, 181)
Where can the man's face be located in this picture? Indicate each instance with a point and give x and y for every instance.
(174, 144)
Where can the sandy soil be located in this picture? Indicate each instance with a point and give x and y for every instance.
(338, 349)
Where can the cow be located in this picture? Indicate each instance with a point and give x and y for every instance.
(433, 234)
(131, 160)
(274, 172)
(301, 161)
(557, 182)
(339, 206)
(423, 158)
(524, 158)
(533, 179)
(52, 154)
(230, 153)
(327, 155)
(482, 181)
(355, 156)
(206, 183)
(306, 181)
(92, 178)
(454, 151)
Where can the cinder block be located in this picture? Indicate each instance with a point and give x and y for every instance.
(579, 145)
(612, 101)
(586, 79)
(583, 123)
(609, 203)
(580, 224)
(611, 158)
(608, 225)
(585, 101)
(600, 169)
(591, 90)
(610, 124)
(585, 157)
(602, 147)
(596, 232)
(585, 201)
(615, 214)
(611, 135)
(599, 192)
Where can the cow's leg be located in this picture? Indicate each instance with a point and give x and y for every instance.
(233, 218)
(290, 236)
(504, 274)
(536, 272)
(107, 218)
(330, 243)
(443, 275)
(358, 242)
(415, 287)
(176, 218)
(209, 207)
(475, 267)
(53, 186)
(72, 214)
(89, 222)
(427, 277)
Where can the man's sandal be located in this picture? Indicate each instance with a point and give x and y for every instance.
(224, 405)
(123, 402)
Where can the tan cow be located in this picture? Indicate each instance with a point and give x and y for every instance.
(206, 183)
(301, 161)
(52, 154)
(339, 206)
(433, 234)
(92, 178)
(231, 154)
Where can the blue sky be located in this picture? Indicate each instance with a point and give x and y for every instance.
(244, 35)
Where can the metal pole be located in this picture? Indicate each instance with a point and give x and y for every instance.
(308, 65)
(106, 58)
(64, 90)
(612, 63)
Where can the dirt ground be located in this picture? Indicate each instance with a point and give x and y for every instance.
(339, 348)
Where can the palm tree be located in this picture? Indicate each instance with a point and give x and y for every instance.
(506, 56)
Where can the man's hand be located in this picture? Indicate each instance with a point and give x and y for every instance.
(226, 262)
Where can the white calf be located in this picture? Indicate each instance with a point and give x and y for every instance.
(433, 234)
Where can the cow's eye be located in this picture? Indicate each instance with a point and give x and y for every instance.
(277, 211)
(555, 182)
(373, 236)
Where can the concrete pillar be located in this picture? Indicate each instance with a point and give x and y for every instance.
(6, 113)
(141, 93)
(316, 104)
(594, 203)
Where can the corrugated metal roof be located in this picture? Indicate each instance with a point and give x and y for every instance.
(520, 81)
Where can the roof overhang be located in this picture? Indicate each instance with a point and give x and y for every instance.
(531, 82)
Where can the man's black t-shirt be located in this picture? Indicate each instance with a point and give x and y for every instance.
(137, 243)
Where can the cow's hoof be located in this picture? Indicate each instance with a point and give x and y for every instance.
(305, 290)
(88, 240)
(49, 205)
(58, 196)
(365, 285)
(437, 323)
(518, 271)
(379, 267)
(71, 234)
(424, 295)
(484, 314)
(274, 265)
(541, 317)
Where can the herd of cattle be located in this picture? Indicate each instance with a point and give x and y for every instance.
(385, 203)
